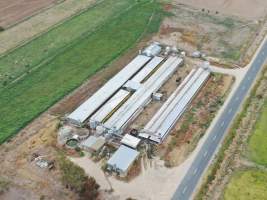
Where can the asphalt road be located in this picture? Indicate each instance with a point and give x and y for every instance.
(204, 156)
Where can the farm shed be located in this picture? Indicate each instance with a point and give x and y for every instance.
(122, 160)
(135, 104)
(93, 144)
(146, 70)
(130, 141)
(86, 109)
(152, 50)
(162, 122)
(132, 86)
(106, 110)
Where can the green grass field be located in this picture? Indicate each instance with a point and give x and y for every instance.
(247, 185)
(23, 100)
(258, 140)
(54, 41)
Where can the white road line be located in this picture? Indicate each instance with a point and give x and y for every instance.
(222, 124)
(185, 188)
(195, 171)
(214, 137)
(205, 154)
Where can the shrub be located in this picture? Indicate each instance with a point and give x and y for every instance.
(75, 179)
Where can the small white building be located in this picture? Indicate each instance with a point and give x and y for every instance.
(122, 160)
(130, 141)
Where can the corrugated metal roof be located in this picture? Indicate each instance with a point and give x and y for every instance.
(123, 158)
(111, 104)
(104, 93)
(130, 140)
(142, 96)
(162, 122)
(143, 73)
(94, 143)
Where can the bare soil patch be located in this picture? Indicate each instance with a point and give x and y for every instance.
(249, 9)
(26, 179)
(13, 11)
(221, 37)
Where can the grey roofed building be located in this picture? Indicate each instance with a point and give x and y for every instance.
(122, 160)
(93, 143)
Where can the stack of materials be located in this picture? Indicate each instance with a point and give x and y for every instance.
(162, 122)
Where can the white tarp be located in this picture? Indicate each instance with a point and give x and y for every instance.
(130, 141)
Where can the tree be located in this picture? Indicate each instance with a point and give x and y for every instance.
(74, 177)
(90, 190)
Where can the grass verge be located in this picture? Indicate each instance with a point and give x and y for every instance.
(258, 141)
(247, 185)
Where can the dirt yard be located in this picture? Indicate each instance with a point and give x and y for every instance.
(222, 38)
(14, 11)
(248, 9)
(27, 180)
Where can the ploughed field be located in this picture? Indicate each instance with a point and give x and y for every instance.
(38, 74)
(13, 11)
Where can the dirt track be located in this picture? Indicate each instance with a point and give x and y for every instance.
(13, 11)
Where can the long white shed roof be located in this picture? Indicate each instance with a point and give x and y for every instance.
(105, 92)
(143, 73)
(162, 122)
(111, 104)
(143, 95)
